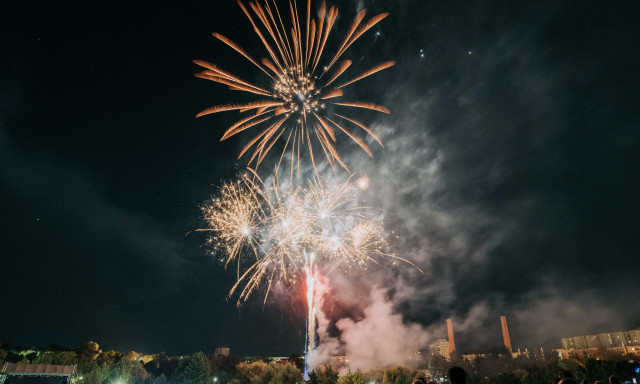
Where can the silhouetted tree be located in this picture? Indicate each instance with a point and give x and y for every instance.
(534, 378)
(3, 355)
(328, 376)
(193, 369)
(220, 363)
(162, 364)
(505, 378)
(323, 376)
(57, 358)
(313, 378)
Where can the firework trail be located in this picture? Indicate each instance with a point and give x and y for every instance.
(310, 337)
(294, 107)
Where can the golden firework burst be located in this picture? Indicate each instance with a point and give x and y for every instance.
(295, 107)
(272, 230)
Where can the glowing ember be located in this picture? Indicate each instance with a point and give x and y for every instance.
(363, 183)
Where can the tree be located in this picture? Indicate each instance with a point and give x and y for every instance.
(162, 364)
(87, 356)
(193, 369)
(108, 358)
(221, 363)
(282, 374)
(259, 372)
(93, 377)
(505, 378)
(136, 371)
(534, 378)
(57, 358)
(249, 373)
(132, 355)
(3, 354)
(222, 377)
(30, 356)
(438, 364)
(328, 376)
(398, 375)
(162, 379)
(89, 351)
(313, 378)
(130, 372)
(352, 378)
(45, 358)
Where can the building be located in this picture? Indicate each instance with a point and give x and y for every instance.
(38, 374)
(582, 353)
(338, 362)
(222, 351)
(440, 347)
(505, 334)
(603, 341)
(452, 343)
(277, 359)
(584, 346)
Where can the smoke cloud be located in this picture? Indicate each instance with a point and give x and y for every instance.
(379, 337)
(486, 178)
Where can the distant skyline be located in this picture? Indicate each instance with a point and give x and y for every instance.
(566, 339)
(509, 174)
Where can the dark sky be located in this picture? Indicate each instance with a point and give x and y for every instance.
(510, 170)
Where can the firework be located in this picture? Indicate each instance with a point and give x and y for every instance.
(272, 233)
(294, 108)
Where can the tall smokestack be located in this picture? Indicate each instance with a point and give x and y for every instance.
(505, 333)
(452, 343)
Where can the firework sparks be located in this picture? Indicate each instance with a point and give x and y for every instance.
(275, 231)
(295, 108)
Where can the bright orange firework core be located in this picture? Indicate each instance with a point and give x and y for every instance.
(297, 89)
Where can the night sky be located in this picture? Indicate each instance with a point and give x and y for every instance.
(511, 172)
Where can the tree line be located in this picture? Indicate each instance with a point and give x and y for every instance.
(112, 367)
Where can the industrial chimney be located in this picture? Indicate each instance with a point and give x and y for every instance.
(452, 343)
(505, 333)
